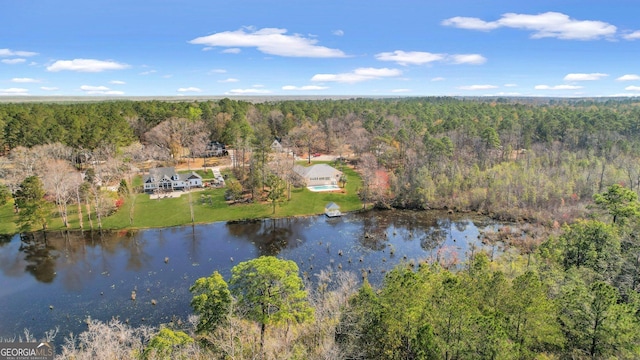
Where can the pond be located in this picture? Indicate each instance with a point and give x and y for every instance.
(63, 280)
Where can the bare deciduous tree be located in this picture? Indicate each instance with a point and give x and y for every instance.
(371, 188)
(358, 138)
(307, 136)
(282, 167)
(177, 134)
(60, 180)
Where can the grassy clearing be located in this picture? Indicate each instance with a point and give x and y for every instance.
(209, 206)
(7, 224)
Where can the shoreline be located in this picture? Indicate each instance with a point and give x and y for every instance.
(369, 209)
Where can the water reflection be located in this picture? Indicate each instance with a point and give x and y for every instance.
(84, 274)
(39, 256)
(270, 236)
(5, 239)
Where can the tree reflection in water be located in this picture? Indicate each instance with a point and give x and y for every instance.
(374, 233)
(137, 257)
(40, 257)
(270, 236)
(5, 239)
(433, 238)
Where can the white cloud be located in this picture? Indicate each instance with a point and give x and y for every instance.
(9, 52)
(545, 25)
(304, 88)
(629, 77)
(232, 51)
(439, 78)
(14, 91)
(632, 88)
(358, 75)
(13, 61)
(409, 57)
(229, 80)
(400, 90)
(585, 77)
(557, 87)
(510, 85)
(93, 88)
(48, 88)
(218, 71)
(474, 59)
(477, 87)
(117, 82)
(338, 32)
(632, 36)
(25, 80)
(189, 89)
(421, 57)
(247, 91)
(86, 65)
(470, 23)
(270, 41)
(99, 90)
(148, 72)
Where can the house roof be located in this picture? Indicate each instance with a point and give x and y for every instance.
(157, 174)
(192, 175)
(332, 206)
(318, 170)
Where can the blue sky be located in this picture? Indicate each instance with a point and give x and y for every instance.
(567, 48)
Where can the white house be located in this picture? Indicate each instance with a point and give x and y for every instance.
(319, 174)
(167, 179)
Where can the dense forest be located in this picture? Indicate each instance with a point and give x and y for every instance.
(534, 159)
(571, 166)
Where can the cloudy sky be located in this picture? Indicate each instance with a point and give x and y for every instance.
(329, 47)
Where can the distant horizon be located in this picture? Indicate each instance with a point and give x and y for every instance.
(268, 98)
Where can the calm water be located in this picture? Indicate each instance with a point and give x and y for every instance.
(84, 275)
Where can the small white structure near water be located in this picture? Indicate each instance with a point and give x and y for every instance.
(332, 210)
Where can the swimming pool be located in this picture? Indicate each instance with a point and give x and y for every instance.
(318, 188)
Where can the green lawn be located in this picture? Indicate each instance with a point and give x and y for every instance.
(209, 206)
(7, 225)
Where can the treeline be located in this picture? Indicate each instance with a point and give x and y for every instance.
(575, 297)
(531, 159)
(519, 124)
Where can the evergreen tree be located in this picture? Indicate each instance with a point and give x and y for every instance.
(33, 208)
(270, 291)
(211, 300)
